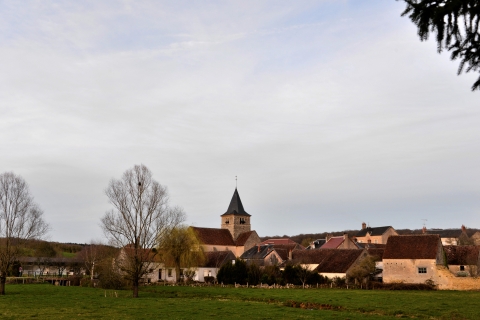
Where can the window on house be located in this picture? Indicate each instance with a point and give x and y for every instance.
(242, 220)
(422, 270)
(227, 221)
(169, 272)
(462, 268)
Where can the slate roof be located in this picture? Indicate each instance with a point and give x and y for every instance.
(257, 252)
(446, 233)
(412, 247)
(328, 260)
(214, 236)
(243, 237)
(377, 231)
(236, 206)
(260, 253)
(216, 259)
(461, 255)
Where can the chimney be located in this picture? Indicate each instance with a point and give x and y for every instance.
(290, 254)
(424, 230)
(328, 237)
(346, 241)
(464, 228)
(364, 226)
(258, 248)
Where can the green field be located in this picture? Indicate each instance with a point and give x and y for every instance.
(42, 301)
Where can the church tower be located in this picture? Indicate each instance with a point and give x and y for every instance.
(236, 220)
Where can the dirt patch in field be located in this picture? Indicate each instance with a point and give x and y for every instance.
(310, 305)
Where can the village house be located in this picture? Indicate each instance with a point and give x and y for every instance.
(52, 266)
(412, 258)
(476, 238)
(377, 235)
(213, 262)
(463, 260)
(263, 255)
(452, 237)
(329, 263)
(341, 242)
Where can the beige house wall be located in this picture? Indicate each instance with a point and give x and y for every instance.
(310, 267)
(252, 241)
(471, 270)
(406, 270)
(272, 259)
(382, 239)
(333, 275)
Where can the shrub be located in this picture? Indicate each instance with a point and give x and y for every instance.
(75, 280)
(111, 279)
(233, 273)
(209, 279)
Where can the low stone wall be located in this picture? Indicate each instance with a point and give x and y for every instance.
(445, 280)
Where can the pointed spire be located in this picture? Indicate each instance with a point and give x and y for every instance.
(236, 206)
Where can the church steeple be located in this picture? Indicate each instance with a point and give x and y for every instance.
(236, 206)
(236, 219)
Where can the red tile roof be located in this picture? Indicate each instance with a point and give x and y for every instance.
(214, 236)
(412, 247)
(461, 255)
(333, 243)
(376, 252)
(243, 237)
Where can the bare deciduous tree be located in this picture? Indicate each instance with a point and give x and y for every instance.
(20, 220)
(139, 220)
(91, 255)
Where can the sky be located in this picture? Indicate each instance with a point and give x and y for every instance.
(331, 113)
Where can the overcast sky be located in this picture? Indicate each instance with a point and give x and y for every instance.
(330, 113)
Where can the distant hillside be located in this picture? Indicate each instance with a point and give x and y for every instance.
(40, 248)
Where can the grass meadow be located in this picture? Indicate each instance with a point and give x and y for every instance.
(45, 301)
